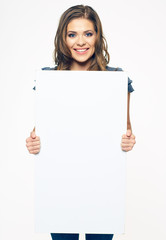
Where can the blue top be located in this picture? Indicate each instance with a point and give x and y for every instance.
(130, 88)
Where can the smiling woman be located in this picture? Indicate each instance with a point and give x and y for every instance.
(80, 45)
(81, 39)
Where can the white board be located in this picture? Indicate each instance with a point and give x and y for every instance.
(80, 170)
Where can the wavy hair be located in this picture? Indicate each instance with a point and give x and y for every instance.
(62, 54)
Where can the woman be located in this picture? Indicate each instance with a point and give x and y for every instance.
(81, 46)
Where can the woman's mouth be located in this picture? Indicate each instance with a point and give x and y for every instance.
(81, 50)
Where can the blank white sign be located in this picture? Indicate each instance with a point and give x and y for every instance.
(80, 170)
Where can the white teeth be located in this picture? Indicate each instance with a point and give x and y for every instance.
(81, 50)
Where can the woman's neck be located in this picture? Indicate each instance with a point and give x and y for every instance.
(77, 66)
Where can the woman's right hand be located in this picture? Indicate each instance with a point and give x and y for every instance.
(33, 143)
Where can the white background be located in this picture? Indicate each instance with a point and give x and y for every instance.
(135, 31)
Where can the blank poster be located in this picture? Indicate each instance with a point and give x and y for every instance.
(80, 170)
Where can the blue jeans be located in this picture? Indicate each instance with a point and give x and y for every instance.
(74, 236)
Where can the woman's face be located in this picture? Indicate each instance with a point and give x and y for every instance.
(81, 38)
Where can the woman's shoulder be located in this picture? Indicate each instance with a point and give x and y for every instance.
(49, 68)
(113, 68)
(107, 68)
(130, 87)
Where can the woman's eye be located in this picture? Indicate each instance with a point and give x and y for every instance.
(71, 35)
(89, 34)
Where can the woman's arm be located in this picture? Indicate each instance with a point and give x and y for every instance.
(128, 139)
(128, 113)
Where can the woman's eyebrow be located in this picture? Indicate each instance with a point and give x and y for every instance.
(71, 31)
(83, 31)
(89, 31)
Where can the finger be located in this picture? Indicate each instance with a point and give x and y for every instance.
(126, 149)
(33, 144)
(124, 136)
(128, 141)
(35, 139)
(27, 139)
(32, 140)
(33, 134)
(127, 144)
(128, 133)
(34, 151)
(34, 148)
(132, 136)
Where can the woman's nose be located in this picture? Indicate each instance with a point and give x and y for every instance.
(80, 41)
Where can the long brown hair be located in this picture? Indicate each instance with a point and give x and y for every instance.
(62, 55)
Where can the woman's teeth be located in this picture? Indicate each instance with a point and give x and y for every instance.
(81, 50)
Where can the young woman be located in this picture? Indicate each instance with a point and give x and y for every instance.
(81, 46)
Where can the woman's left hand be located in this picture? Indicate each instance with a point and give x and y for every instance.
(128, 141)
